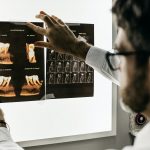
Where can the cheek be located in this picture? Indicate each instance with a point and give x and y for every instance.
(123, 73)
(127, 68)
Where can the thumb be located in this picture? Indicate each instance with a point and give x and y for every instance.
(42, 44)
(44, 13)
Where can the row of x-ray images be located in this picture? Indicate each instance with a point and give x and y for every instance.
(5, 57)
(24, 75)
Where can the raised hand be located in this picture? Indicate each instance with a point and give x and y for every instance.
(60, 37)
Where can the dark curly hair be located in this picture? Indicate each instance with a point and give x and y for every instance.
(134, 17)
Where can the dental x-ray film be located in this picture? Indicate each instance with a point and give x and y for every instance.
(21, 63)
(68, 76)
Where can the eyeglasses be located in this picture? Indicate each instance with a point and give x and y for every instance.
(114, 61)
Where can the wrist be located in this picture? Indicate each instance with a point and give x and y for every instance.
(81, 49)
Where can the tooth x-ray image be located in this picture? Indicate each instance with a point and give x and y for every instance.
(21, 63)
(5, 57)
(67, 76)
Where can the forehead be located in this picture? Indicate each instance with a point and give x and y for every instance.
(122, 42)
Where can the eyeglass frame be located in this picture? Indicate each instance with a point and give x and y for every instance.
(108, 54)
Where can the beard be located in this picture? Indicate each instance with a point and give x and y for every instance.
(136, 93)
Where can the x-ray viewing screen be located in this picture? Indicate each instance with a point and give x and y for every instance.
(21, 63)
(67, 76)
(22, 73)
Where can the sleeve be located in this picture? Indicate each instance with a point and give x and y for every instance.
(96, 59)
(6, 142)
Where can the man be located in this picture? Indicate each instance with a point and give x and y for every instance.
(132, 58)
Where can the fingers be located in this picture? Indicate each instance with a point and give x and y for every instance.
(58, 20)
(54, 21)
(43, 12)
(46, 19)
(42, 44)
(37, 29)
(51, 18)
(54, 18)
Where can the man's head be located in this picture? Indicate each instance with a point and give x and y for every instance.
(133, 19)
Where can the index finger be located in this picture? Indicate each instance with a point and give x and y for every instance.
(46, 19)
(58, 20)
(37, 29)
